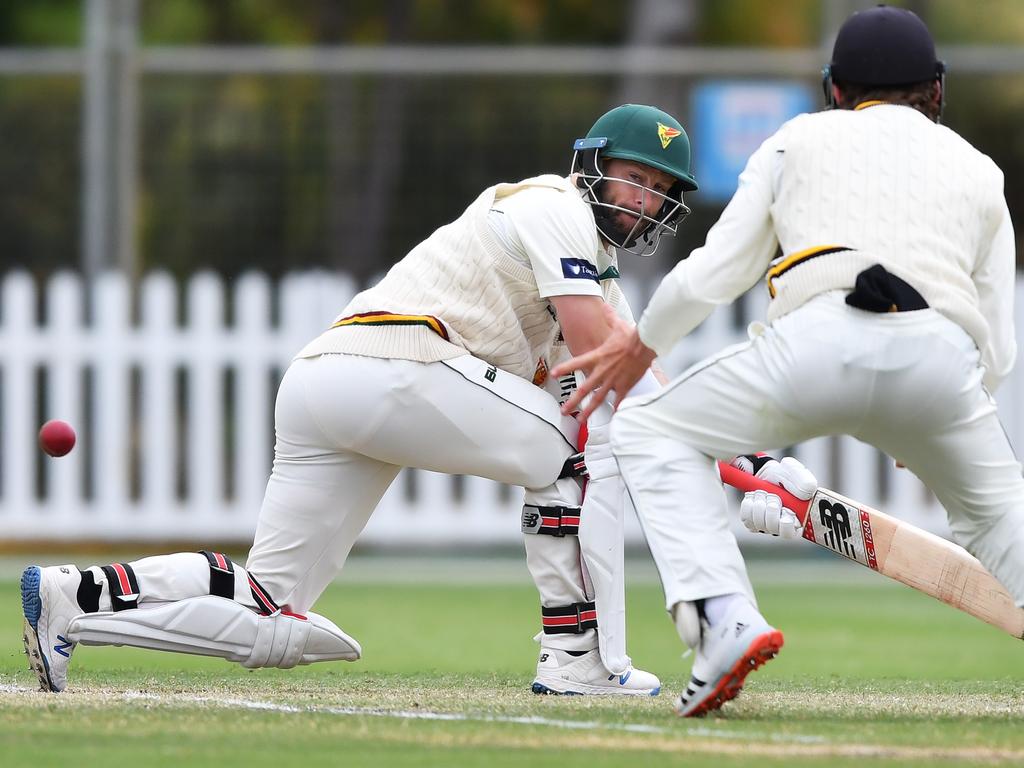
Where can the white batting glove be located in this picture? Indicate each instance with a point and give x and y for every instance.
(762, 512)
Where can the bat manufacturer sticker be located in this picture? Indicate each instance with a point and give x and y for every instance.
(869, 540)
(842, 528)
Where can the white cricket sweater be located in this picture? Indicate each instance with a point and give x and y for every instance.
(463, 284)
(838, 191)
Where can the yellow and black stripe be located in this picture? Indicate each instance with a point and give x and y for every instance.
(391, 318)
(800, 257)
(870, 103)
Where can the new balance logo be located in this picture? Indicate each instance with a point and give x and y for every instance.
(835, 518)
(62, 648)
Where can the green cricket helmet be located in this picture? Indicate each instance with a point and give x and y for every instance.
(645, 135)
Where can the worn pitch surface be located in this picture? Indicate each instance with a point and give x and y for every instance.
(870, 671)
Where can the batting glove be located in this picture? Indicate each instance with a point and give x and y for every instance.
(763, 512)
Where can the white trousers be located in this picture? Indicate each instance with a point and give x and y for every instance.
(347, 424)
(909, 383)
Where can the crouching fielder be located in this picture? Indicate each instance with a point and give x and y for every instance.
(891, 320)
(442, 366)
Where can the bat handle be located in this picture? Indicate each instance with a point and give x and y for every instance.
(744, 481)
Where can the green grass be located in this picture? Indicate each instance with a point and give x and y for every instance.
(870, 671)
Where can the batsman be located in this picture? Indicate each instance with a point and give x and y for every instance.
(888, 252)
(443, 365)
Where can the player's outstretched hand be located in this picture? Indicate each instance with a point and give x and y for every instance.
(761, 511)
(613, 367)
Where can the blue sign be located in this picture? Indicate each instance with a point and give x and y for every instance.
(731, 119)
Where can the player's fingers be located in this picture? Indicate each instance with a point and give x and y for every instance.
(772, 513)
(796, 478)
(762, 504)
(573, 403)
(789, 524)
(592, 405)
(584, 362)
(748, 510)
(597, 396)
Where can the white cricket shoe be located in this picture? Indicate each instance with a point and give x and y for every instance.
(558, 672)
(738, 644)
(49, 600)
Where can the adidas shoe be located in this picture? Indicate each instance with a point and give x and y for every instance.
(559, 672)
(49, 601)
(738, 644)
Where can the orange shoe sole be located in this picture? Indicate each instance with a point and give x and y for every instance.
(764, 648)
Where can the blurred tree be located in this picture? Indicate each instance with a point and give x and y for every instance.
(783, 23)
(40, 177)
(287, 171)
(990, 22)
(41, 22)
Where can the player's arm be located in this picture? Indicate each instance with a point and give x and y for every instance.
(735, 255)
(588, 324)
(582, 320)
(737, 252)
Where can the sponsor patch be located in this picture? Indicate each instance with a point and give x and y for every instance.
(843, 528)
(580, 269)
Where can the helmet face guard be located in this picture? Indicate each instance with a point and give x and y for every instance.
(644, 236)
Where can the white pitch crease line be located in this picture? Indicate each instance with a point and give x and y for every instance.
(586, 725)
(583, 725)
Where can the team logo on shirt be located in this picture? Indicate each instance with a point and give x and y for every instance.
(540, 375)
(666, 134)
(579, 268)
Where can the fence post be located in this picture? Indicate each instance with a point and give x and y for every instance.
(64, 343)
(110, 406)
(253, 393)
(204, 363)
(158, 353)
(18, 354)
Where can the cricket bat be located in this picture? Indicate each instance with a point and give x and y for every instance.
(896, 549)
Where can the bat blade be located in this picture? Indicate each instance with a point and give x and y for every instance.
(898, 550)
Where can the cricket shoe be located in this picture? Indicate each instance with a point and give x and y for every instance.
(49, 601)
(734, 647)
(561, 673)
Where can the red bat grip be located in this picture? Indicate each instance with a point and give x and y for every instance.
(744, 481)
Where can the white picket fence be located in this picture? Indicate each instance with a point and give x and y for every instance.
(175, 414)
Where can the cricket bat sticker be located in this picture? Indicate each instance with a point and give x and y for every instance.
(845, 529)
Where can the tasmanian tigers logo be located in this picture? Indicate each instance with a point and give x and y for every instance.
(666, 134)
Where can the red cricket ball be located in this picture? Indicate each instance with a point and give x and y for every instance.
(56, 437)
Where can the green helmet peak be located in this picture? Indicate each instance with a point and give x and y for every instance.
(642, 134)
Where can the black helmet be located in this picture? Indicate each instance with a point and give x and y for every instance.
(882, 46)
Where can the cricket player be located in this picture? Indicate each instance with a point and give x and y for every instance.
(443, 365)
(891, 320)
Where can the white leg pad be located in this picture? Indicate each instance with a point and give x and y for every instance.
(601, 541)
(687, 619)
(216, 626)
